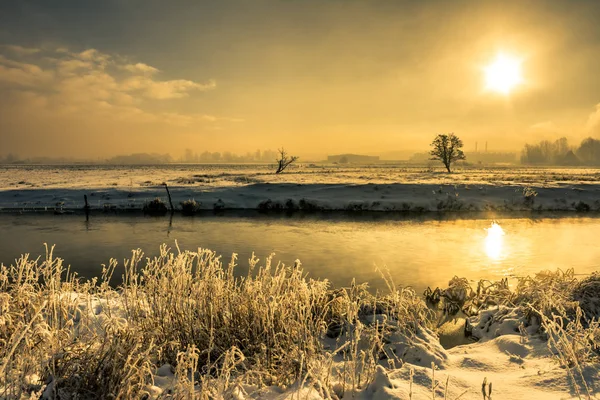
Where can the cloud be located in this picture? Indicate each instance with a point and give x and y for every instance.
(94, 83)
(140, 68)
(21, 74)
(93, 55)
(545, 126)
(162, 90)
(72, 66)
(22, 51)
(187, 120)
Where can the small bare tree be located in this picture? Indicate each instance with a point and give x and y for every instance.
(447, 149)
(284, 160)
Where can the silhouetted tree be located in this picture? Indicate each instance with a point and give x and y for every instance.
(284, 160)
(589, 151)
(216, 156)
(206, 156)
(190, 156)
(447, 149)
(548, 153)
(11, 158)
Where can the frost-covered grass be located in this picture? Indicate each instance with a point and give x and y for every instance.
(183, 309)
(182, 325)
(155, 207)
(565, 310)
(219, 175)
(190, 207)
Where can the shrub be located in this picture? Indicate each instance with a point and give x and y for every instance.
(219, 205)
(190, 207)
(269, 205)
(529, 195)
(582, 207)
(155, 207)
(88, 340)
(308, 205)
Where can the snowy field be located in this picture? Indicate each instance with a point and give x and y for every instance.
(302, 187)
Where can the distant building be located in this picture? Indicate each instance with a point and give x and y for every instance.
(352, 159)
(569, 159)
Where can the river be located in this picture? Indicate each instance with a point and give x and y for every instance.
(417, 252)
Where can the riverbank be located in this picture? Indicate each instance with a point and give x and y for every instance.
(181, 324)
(306, 188)
(415, 198)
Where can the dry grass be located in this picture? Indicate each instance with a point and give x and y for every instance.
(69, 338)
(61, 337)
(554, 305)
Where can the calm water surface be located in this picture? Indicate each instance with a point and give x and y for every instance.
(417, 252)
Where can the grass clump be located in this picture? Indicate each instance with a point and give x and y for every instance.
(60, 336)
(155, 207)
(271, 318)
(52, 346)
(529, 195)
(190, 207)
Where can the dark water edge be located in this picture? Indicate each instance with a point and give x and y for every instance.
(325, 215)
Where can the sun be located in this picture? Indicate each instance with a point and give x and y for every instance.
(503, 74)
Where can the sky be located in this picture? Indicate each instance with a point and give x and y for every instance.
(88, 79)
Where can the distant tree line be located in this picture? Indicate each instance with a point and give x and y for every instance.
(189, 156)
(141, 158)
(560, 152)
(228, 157)
(12, 158)
(129, 159)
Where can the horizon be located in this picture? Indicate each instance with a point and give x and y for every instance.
(269, 156)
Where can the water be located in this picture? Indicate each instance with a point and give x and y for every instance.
(417, 252)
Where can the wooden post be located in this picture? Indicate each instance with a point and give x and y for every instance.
(86, 208)
(169, 195)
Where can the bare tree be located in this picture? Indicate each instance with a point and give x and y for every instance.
(447, 149)
(284, 160)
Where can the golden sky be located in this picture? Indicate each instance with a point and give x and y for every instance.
(90, 79)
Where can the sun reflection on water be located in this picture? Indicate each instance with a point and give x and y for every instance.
(494, 241)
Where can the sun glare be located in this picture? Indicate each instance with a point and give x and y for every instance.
(503, 74)
(494, 241)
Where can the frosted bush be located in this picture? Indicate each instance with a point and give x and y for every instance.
(70, 338)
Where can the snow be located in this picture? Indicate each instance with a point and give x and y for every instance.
(512, 357)
(313, 187)
(518, 366)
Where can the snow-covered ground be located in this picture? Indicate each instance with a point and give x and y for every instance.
(305, 187)
(516, 367)
(182, 326)
(512, 363)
